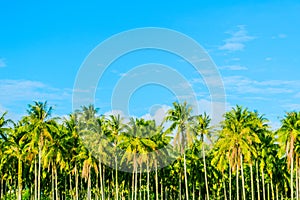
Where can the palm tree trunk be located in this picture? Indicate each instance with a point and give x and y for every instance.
(291, 184)
(70, 184)
(276, 187)
(19, 179)
(104, 184)
(243, 181)
(56, 188)
(180, 196)
(39, 172)
(135, 181)
(224, 185)
(193, 190)
(252, 184)
(205, 173)
(263, 183)
(89, 185)
(76, 182)
(297, 196)
(185, 178)
(101, 180)
(272, 188)
(161, 189)
(148, 181)
(298, 178)
(35, 180)
(257, 180)
(117, 186)
(132, 185)
(156, 181)
(230, 182)
(237, 183)
(140, 190)
(52, 182)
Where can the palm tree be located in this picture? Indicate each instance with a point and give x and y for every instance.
(288, 134)
(15, 148)
(40, 125)
(201, 129)
(92, 131)
(136, 146)
(5, 131)
(180, 117)
(73, 145)
(53, 155)
(115, 127)
(237, 137)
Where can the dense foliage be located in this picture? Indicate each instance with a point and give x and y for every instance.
(242, 158)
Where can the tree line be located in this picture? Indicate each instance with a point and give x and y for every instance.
(43, 157)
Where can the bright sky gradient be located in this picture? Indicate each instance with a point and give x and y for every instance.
(255, 45)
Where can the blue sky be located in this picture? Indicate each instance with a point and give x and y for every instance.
(255, 45)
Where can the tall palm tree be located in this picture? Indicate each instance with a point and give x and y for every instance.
(115, 127)
(73, 143)
(53, 155)
(201, 129)
(180, 117)
(5, 132)
(40, 125)
(136, 146)
(237, 137)
(288, 134)
(15, 148)
(92, 132)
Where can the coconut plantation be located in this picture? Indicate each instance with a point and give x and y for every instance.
(150, 100)
(45, 157)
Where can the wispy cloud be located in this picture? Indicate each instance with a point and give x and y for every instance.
(2, 62)
(244, 85)
(237, 40)
(279, 36)
(292, 106)
(29, 90)
(268, 59)
(15, 94)
(297, 95)
(233, 67)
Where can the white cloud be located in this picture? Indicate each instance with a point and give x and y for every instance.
(280, 36)
(297, 95)
(233, 67)
(243, 85)
(215, 110)
(268, 58)
(13, 91)
(292, 106)
(237, 40)
(157, 113)
(2, 62)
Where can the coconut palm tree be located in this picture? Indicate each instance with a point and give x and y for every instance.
(115, 127)
(73, 143)
(236, 138)
(15, 148)
(288, 134)
(180, 117)
(201, 128)
(136, 146)
(40, 126)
